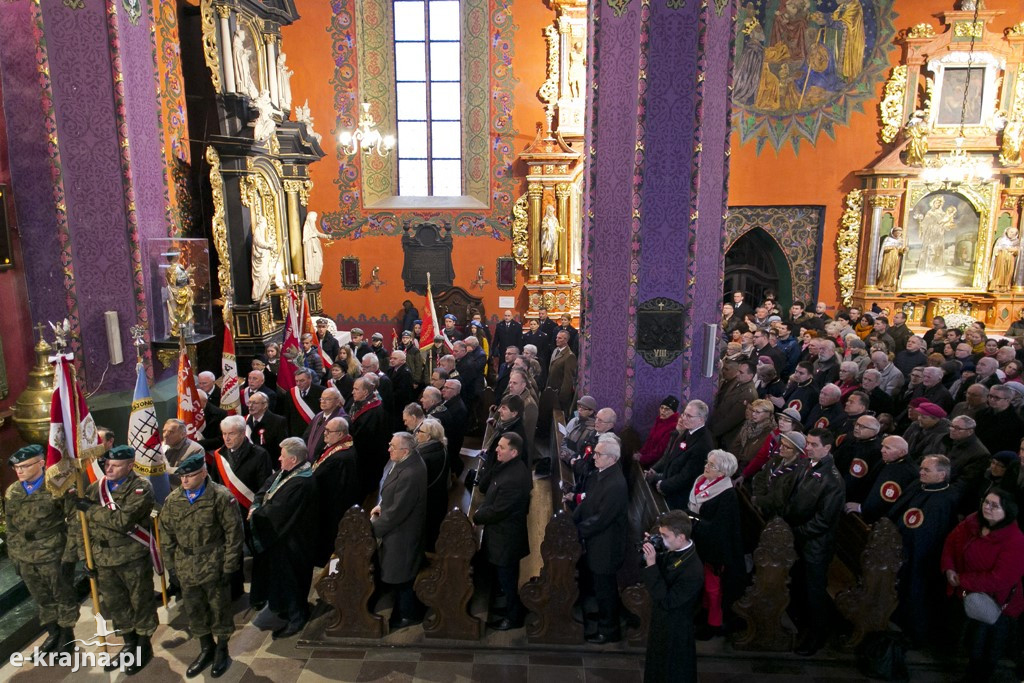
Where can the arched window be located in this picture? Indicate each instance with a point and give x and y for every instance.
(428, 97)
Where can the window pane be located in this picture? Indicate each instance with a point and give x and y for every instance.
(412, 101)
(444, 61)
(412, 178)
(412, 140)
(409, 20)
(444, 101)
(447, 178)
(446, 140)
(444, 20)
(410, 62)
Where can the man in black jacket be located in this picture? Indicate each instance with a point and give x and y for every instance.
(674, 474)
(327, 340)
(509, 332)
(402, 391)
(813, 512)
(454, 420)
(264, 428)
(506, 488)
(602, 520)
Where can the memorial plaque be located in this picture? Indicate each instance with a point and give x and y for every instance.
(659, 337)
(428, 249)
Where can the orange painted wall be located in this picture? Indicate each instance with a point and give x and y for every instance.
(308, 45)
(824, 173)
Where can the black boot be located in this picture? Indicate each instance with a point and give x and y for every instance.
(145, 654)
(66, 641)
(221, 661)
(130, 641)
(52, 641)
(205, 657)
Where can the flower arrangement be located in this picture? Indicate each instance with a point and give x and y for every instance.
(958, 321)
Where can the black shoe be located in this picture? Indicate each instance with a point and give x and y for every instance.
(396, 625)
(66, 643)
(706, 632)
(470, 479)
(287, 631)
(542, 467)
(130, 641)
(603, 639)
(221, 661)
(505, 624)
(205, 658)
(809, 646)
(52, 641)
(145, 655)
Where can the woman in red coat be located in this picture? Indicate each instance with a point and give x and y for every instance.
(985, 553)
(661, 432)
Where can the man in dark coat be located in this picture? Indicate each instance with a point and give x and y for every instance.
(314, 436)
(896, 473)
(507, 418)
(336, 473)
(601, 517)
(829, 413)
(303, 402)
(731, 402)
(240, 465)
(562, 371)
(398, 525)
(506, 488)
(687, 450)
(327, 341)
(206, 381)
(674, 578)
(801, 393)
(1000, 426)
(454, 418)
(264, 428)
(256, 381)
(509, 332)
(505, 371)
(370, 429)
(284, 523)
(858, 456)
(969, 459)
(402, 391)
(813, 512)
(212, 417)
(385, 390)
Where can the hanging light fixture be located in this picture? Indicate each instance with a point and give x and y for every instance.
(366, 138)
(957, 166)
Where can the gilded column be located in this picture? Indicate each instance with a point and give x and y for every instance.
(535, 193)
(873, 242)
(291, 189)
(226, 59)
(271, 42)
(562, 195)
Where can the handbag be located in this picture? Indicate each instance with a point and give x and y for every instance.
(981, 607)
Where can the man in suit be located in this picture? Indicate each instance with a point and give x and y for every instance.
(506, 488)
(327, 340)
(602, 520)
(565, 324)
(454, 421)
(207, 381)
(398, 524)
(505, 370)
(403, 392)
(315, 434)
(562, 371)
(508, 332)
(731, 404)
(303, 401)
(256, 381)
(264, 428)
(687, 450)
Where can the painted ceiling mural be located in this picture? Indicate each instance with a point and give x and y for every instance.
(802, 66)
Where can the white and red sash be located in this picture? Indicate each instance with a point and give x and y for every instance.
(137, 533)
(303, 409)
(242, 493)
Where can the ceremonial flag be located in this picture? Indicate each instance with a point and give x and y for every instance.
(307, 327)
(291, 346)
(72, 429)
(229, 373)
(429, 328)
(144, 437)
(189, 410)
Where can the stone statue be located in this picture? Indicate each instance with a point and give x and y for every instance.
(576, 75)
(264, 259)
(265, 124)
(303, 116)
(312, 251)
(916, 134)
(284, 80)
(549, 230)
(1004, 260)
(244, 84)
(180, 297)
(891, 260)
(1009, 151)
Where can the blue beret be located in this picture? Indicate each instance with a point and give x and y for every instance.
(449, 316)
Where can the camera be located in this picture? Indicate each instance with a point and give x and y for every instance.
(658, 541)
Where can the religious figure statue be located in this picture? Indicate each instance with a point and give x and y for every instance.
(312, 251)
(303, 116)
(245, 85)
(933, 226)
(891, 260)
(549, 230)
(284, 80)
(1009, 151)
(1004, 260)
(577, 73)
(264, 258)
(180, 297)
(917, 135)
(265, 124)
(849, 17)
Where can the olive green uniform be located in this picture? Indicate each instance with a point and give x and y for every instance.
(124, 567)
(37, 534)
(202, 542)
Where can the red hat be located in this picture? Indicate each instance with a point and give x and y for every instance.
(918, 401)
(931, 410)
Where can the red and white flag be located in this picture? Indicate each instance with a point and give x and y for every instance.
(68, 437)
(189, 410)
(229, 399)
(291, 346)
(429, 328)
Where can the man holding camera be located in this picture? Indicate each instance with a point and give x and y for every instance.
(674, 576)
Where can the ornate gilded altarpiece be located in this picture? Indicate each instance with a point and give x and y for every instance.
(913, 240)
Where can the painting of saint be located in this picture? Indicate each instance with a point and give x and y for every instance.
(941, 243)
(951, 99)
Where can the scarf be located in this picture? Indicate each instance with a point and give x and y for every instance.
(704, 490)
(753, 431)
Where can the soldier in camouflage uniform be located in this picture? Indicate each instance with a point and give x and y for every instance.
(36, 536)
(201, 536)
(124, 569)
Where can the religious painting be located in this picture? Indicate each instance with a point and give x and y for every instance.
(943, 244)
(802, 66)
(951, 99)
(506, 272)
(350, 273)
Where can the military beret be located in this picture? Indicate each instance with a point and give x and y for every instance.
(449, 316)
(121, 453)
(915, 402)
(476, 323)
(417, 322)
(377, 335)
(26, 453)
(192, 463)
(930, 409)
(407, 333)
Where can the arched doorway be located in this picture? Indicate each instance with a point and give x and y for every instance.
(755, 264)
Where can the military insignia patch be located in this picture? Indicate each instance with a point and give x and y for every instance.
(858, 468)
(913, 518)
(796, 403)
(890, 491)
(139, 492)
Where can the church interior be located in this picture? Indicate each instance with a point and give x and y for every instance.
(172, 169)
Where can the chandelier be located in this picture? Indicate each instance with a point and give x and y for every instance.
(366, 137)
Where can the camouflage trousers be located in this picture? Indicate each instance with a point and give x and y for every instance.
(52, 590)
(127, 597)
(208, 606)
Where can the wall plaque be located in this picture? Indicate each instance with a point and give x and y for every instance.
(659, 338)
(428, 249)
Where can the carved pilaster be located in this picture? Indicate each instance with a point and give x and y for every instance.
(562, 191)
(210, 54)
(220, 227)
(294, 226)
(535, 193)
(275, 92)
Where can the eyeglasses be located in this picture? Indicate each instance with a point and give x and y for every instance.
(26, 465)
(991, 505)
(711, 465)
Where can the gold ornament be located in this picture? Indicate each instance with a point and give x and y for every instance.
(32, 410)
(847, 243)
(890, 109)
(921, 31)
(220, 226)
(520, 234)
(210, 52)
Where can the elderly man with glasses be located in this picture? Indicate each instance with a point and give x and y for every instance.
(1000, 426)
(858, 455)
(969, 459)
(687, 451)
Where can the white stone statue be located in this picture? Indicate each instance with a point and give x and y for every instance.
(265, 124)
(284, 81)
(303, 116)
(264, 244)
(244, 84)
(312, 250)
(577, 72)
(549, 229)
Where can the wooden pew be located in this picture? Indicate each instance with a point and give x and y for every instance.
(869, 604)
(645, 504)
(347, 591)
(551, 596)
(445, 585)
(765, 601)
(562, 477)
